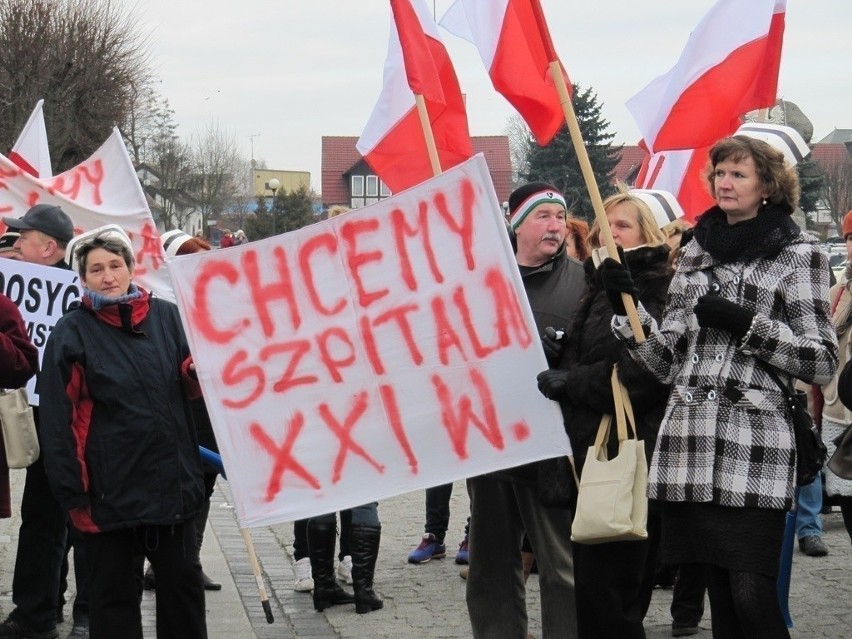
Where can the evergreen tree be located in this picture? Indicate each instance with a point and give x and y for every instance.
(557, 163)
(259, 225)
(293, 210)
(812, 184)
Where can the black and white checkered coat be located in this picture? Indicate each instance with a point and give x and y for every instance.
(726, 436)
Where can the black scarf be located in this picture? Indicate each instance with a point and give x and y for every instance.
(761, 236)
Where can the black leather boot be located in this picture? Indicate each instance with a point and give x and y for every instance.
(321, 541)
(365, 551)
(200, 524)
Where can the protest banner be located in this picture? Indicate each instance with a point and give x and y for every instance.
(102, 190)
(42, 294)
(375, 353)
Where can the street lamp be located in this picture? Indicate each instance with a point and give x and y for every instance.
(273, 185)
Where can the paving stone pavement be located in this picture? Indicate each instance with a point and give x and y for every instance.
(425, 601)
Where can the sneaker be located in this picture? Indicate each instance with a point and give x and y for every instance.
(344, 570)
(463, 555)
(685, 631)
(428, 550)
(17, 629)
(813, 546)
(304, 579)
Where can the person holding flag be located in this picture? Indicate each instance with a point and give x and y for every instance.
(750, 294)
(613, 581)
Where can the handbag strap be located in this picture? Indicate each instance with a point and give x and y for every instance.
(624, 417)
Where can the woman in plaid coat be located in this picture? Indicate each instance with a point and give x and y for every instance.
(750, 287)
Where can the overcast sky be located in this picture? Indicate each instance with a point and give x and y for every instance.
(292, 71)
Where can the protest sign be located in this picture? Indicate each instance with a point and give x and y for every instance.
(385, 350)
(42, 294)
(102, 190)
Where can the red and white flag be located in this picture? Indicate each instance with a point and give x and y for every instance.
(680, 173)
(393, 142)
(728, 67)
(515, 46)
(30, 151)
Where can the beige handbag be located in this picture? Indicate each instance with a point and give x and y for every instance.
(19, 432)
(612, 504)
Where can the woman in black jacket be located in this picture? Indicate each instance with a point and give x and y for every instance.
(120, 449)
(612, 588)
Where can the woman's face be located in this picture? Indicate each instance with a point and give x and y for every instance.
(624, 225)
(106, 273)
(738, 189)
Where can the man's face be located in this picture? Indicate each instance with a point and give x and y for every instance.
(37, 248)
(540, 234)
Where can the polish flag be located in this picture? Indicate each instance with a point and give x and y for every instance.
(680, 173)
(729, 67)
(393, 142)
(515, 46)
(30, 151)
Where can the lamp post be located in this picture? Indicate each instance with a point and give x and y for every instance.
(273, 185)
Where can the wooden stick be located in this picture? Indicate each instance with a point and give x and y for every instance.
(215, 459)
(592, 186)
(420, 101)
(261, 588)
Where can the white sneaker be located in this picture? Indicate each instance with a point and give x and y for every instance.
(304, 579)
(344, 570)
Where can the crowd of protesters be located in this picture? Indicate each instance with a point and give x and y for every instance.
(744, 292)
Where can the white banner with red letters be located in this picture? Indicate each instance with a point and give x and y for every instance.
(43, 294)
(102, 190)
(382, 351)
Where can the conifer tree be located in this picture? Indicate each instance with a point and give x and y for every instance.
(557, 162)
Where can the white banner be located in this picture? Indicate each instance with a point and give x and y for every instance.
(42, 294)
(102, 190)
(382, 351)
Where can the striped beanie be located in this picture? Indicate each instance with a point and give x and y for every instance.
(525, 198)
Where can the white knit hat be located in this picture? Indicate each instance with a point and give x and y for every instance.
(112, 230)
(784, 138)
(663, 205)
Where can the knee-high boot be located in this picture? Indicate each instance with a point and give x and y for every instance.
(321, 542)
(365, 551)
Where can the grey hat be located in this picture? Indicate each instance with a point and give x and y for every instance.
(47, 218)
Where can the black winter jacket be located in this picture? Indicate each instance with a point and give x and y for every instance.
(117, 433)
(592, 349)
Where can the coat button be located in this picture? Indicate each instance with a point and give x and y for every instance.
(719, 357)
(687, 396)
(694, 358)
(711, 395)
(736, 279)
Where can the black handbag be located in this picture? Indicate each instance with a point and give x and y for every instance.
(840, 462)
(810, 449)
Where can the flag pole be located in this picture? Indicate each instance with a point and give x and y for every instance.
(215, 460)
(420, 101)
(592, 186)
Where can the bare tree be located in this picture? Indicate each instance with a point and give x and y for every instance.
(84, 57)
(216, 163)
(838, 189)
(243, 198)
(519, 146)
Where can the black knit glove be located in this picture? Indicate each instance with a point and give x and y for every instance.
(616, 279)
(553, 383)
(713, 311)
(553, 344)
